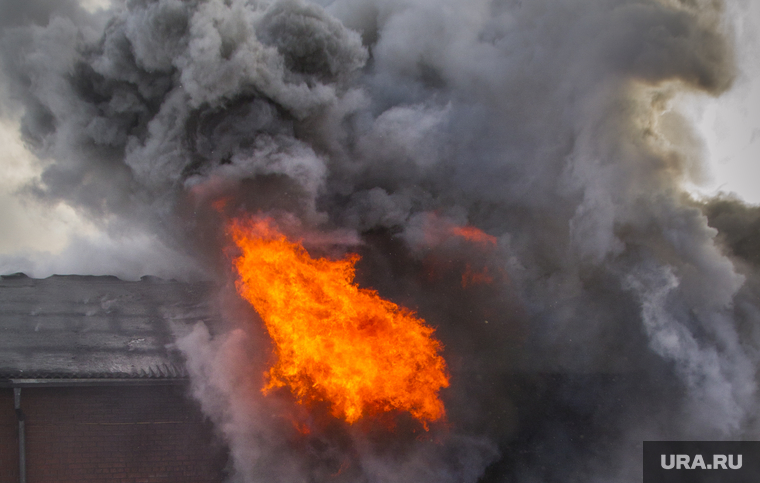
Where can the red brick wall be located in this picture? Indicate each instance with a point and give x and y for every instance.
(8, 438)
(134, 434)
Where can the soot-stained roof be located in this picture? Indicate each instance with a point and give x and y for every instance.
(86, 327)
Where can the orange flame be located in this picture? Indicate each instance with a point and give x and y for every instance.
(334, 341)
(438, 230)
(472, 234)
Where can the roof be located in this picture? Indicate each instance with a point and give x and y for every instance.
(96, 328)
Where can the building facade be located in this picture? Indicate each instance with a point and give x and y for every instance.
(90, 387)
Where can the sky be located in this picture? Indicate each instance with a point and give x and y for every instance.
(34, 230)
(729, 125)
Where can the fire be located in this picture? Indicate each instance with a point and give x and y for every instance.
(472, 234)
(334, 341)
(438, 230)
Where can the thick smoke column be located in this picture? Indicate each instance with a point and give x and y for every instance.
(606, 312)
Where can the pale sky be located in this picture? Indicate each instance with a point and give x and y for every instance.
(29, 225)
(730, 124)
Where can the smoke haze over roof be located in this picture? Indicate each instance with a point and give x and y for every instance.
(548, 125)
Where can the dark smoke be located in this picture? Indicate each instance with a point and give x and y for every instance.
(616, 311)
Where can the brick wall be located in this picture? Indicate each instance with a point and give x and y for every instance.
(135, 434)
(8, 438)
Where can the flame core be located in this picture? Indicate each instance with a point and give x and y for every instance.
(334, 341)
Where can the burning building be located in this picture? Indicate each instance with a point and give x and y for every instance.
(451, 240)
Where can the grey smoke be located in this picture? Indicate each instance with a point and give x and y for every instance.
(620, 314)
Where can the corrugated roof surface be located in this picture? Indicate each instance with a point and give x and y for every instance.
(96, 327)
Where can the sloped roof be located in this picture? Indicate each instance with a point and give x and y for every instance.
(86, 327)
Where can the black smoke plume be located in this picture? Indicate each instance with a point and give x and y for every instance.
(610, 307)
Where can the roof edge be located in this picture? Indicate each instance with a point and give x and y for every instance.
(27, 383)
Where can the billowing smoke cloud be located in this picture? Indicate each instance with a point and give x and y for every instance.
(604, 313)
